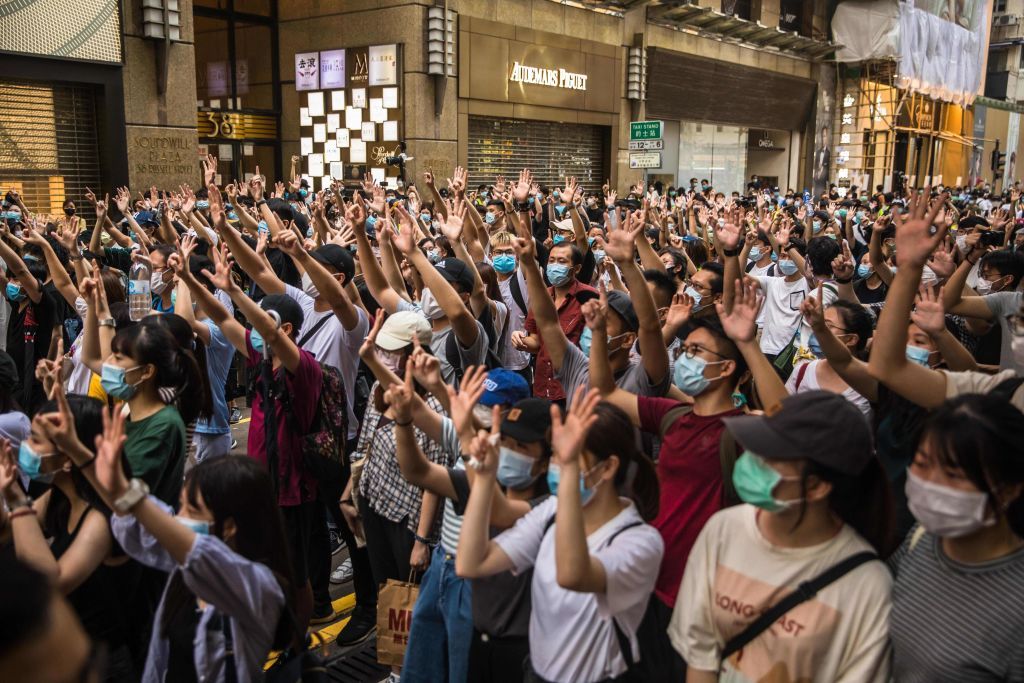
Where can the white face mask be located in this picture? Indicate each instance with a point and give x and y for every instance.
(428, 304)
(983, 287)
(946, 511)
(157, 282)
(961, 243)
(308, 287)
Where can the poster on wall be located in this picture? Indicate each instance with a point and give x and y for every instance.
(332, 69)
(307, 71)
(1012, 135)
(384, 65)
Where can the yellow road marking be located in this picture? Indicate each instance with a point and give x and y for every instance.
(243, 421)
(329, 633)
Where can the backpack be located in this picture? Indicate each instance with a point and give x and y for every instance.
(726, 452)
(454, 358)
(323, 444)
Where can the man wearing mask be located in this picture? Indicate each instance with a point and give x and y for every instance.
(516, 296)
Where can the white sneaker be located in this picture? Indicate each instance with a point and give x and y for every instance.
(392, 678)
(343, 573)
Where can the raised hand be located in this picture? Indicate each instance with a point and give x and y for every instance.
(942, 263)
(916, 234)
(405, 239)
(525, 248)
(728, 232)
(741, 323)
(929, 313)
(426, 368)
(484, 450)
(595, 313)
(521, 188)
(400, 396)
(843, 265)
(465, 399)
(287, 242)
(813, 313)
(121, 199)
(620, 243)
(369, 347)
(569, 435)
(221, 277)
(428, 177)
(110, 478)
(679, 311)
(452, 227)
(9, 473)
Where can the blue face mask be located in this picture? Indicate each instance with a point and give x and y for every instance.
(515, 469)
(196, 525)
(916, 354)
(788, 267)
(14, 292)
(113, 381)
(587, 339)
(263, 227)
(755, 254)
(371, 221)
(256, 339)
(559, 210)
(816, 227)
(863, 270)
(30, 462)
(599, 255)
(425, 217)
(202, 204)
(814, 346)
(504, 263)
(558, 274)
(775, 257)
(692, 292)
(688, 375)
(489, 218)
(232, 216)
(555, 194)
(558, 239)
(433, 255)
(554, 476)
(303, 193)
(591, 241)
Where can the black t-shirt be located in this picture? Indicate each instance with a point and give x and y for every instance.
(39, 318)
(866, 295)
(282, 265)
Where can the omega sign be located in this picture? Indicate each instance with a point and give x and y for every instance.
(553, 78)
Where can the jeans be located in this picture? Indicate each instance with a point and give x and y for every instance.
(211, 445)
(442, 626)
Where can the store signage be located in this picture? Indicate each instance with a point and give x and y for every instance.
(217, 79)
(332, 69)
(384, 65)
(646, 144)
(553, 78)
(645, 130)
(645, 159)
(307, 71)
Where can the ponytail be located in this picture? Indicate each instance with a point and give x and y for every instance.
(636, 478)
(194, 397)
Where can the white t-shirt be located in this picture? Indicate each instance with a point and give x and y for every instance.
(511, 358)
(734, 574)
(809, 382)
(571, 633)
(81, 375)
(334, 345)
(781, 310)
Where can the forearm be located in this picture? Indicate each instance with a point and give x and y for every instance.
(574, 568)
(957, 358)
(31, 547)
(649, 257)
(769, 386)
(372, 273)
(119, 237)
(175, 538)
(428, 512)
(953, 292)
(392, 271)
(888, 350)
(411, 461)
(601, 376)
(478, 555)
(462, 322)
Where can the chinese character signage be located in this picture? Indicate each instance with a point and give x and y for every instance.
(384, 65)
(307, 71)
(332, 69)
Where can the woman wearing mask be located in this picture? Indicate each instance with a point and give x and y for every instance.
(225, 553)
(957, 597)
(813, 504)
(594, 557)
(162, 279)
(65, 533)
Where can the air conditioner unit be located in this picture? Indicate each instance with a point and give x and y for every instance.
(1000, 20)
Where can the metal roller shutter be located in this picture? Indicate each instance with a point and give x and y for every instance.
(48, 145)
(552, 151)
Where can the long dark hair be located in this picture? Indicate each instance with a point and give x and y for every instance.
(864, 501)
(190, 344)
(614, 434)
(238, 488)
(983, 435)
(856, 320)
(176, 367)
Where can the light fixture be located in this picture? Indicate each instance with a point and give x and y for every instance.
(440, 41)
(161, 19)
(636, 74)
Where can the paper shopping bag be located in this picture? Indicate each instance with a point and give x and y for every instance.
(395, 602)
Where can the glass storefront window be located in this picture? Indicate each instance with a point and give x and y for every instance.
(717, 153)
(261, 7)
(254, 72)
(213, 75)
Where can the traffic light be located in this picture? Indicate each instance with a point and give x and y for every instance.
(998, 161)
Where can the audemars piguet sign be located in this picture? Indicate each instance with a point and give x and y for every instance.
(554, 78)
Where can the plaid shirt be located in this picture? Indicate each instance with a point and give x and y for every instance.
(382, 485)
(956, 324)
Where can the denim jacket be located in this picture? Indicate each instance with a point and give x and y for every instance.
(244, 591)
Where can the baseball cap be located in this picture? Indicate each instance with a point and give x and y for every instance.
(621, 304)
(528, 421)
(504, 387)
(564, 225)
(455, 271)
(400, 328)
(337, 257)
(972, 221)
(821, 426)
(144, 218)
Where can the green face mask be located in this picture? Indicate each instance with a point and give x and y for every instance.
(755, 481)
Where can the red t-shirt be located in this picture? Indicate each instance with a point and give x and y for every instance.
(690, 476)
(570, 317)
(296, 484)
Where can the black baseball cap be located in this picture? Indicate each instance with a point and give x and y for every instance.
(623, 305)
(813, 425)
(973, 221)
(337, 257)
(528, 421)
(457, 272)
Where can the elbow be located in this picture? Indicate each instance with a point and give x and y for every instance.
(570, 578)
(464, 568)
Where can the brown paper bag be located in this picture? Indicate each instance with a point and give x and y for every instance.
(395, 602)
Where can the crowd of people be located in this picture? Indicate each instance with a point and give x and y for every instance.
(677, 434)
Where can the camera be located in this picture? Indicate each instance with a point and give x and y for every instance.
(991, 238)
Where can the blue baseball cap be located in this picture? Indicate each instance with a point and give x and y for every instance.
(504, 388)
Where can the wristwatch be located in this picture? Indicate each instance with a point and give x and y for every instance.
(732, 252)
(107, 322)
(137, 490)
(522, 207)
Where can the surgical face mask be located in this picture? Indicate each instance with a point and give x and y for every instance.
(864, 270)
(599, 255)
(428, 304)
(586, 492)
(558, 274)
(692, 292)
(434, 255)
(984, 286)
(425, 217)
(504, 263)
(392, 360)
(816, 227)
(814, 346)
(755, 254)
(256, 339)
(308, 287)
(232, 216)
(489, 218)
(558, 239)
(202, 204)
(515, 470)
(921, 356)
(197, 526)
(15, 292)
(961, 242)
(371, 221)
(946, 511)
(587, 337)
(755, 483)
(157, 282)
(832, 236)
(689, 377)
(787, 266)
(30, 462)
(263, 227)
(112, 379)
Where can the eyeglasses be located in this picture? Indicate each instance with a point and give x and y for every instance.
(1015, 324)
(691, 350)
(835, 328)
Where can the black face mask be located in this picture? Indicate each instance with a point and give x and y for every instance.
(69, 212)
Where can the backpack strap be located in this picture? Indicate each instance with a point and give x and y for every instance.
(230, 668)
(801, 371)
(727, 459)
(804, 592)
(316, 328)
(517, 294)
(1007, 388)
(671, 416)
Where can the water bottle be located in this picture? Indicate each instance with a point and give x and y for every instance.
(140, 301)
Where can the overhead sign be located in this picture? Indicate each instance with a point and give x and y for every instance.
(332, 69)
(384, 65)
(307, 71)
(646, 144)
(554, 78)
(645, 130)
(645, 159)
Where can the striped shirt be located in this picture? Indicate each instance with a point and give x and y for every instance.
(451, 526)
(956, 622)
